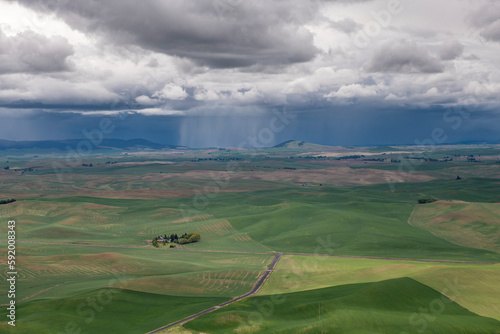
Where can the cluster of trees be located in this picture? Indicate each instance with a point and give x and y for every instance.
(426, 200)
(186, 238)
(7, 201)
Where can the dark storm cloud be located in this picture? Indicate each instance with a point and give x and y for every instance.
(220, 33)
(451, 50)
(29, 52)
(403, 57)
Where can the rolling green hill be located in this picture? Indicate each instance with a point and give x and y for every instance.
(391, 307)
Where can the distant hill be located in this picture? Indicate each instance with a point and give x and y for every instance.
(287, 143)
(62, 145)
(375, 148)
(304, 146)
(295, 144)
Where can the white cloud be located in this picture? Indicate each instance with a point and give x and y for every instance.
(146, 100)
(202, 94)
(346, 25)
(29, 52)
(158, 112)
(171, 92)
(354, 91)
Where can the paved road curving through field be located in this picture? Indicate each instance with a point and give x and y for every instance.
(261, 280)
(257, 286)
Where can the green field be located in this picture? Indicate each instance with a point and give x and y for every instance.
(390, 306)
(367, 221)
(463, 223)
(177, 282)
(115, 311)
(297, 199)
(471, 285)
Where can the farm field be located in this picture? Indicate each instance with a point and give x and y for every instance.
(468, 224)
(347, 220)
(389, 306)
(359, 220)
(179, 281)
(473, 286)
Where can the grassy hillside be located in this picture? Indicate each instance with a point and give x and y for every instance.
(467, 224)
(364, 220)
(158, 271)
(150, 287)
(298, 198)
(470, 285)
(115, 311)
(390, 306)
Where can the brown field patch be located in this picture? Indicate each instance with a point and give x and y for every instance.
(167, 213)
(10, 210)
(196, 284)
(106, 227)
(229, 319)
(192, 219)
(73, 221)
(242, 238)
(134, 194)
(218, 227)
(385, 269)
(167, 285)
(350, 153)
(475, 225)
(488, 171)
(340, 175)
(84, 265)
(99, 219)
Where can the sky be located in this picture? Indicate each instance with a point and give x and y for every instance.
(214, 73)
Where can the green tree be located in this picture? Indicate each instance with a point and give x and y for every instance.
(7, 201)
(194, 237)
(426, 200)
(155, 242)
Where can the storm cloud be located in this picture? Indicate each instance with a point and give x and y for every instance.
(221, 34)
(228, 61)
(403, 57)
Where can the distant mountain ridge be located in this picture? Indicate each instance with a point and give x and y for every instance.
(295, 144)
(61, 145)
(298, 143)
(144, 144)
